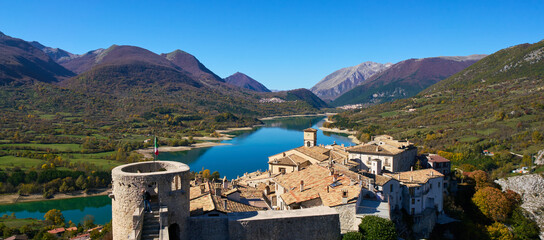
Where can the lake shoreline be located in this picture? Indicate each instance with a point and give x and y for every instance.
(7, 199)
(148, 152)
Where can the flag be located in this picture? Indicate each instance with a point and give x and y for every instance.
(156, 147)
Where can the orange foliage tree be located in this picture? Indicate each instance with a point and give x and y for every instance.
(492, 203)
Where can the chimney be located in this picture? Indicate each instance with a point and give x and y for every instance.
(225, 183)
(344, 196)
(301, 185)
(283, 154)
(411, 178)
(377, 148)
(225, 204)
(412, 168)
(332, 172)
(327, 188)
(432, 173)
(334, 177)
(218, 190)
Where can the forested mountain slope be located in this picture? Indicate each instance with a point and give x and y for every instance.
(496, 103)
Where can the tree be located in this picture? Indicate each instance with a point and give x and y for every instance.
(480, 178)
(353, 236)
(206, 174)
(492, 203)
(54, 216)
(215, 175)
(377, 228)
(499, 231)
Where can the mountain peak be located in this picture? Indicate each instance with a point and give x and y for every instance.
(190, 64)
(343, 80)
(244, 81)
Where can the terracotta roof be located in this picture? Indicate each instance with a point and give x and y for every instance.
(318, 153)
(195, 191)
(251, 192)
(310, 130)
(436, 158)
(381, 180)
(232, 206)
(415, 178)
(201, 204)
(286, 161)
(370, 149)
(56, 230)
(316, 181)
(229, 192)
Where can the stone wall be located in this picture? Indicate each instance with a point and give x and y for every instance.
(311, 223)
(168, 182)
(531, 189)
(348, 221)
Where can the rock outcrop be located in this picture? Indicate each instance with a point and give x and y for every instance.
(531, 189)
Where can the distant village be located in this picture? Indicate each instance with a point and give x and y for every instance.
(334, 184)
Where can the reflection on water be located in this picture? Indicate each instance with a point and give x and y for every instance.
(247, 152)
(74, 209)
(250, 150)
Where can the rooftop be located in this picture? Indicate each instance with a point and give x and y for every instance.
(436, 158)
(310, 130)
(318, 183)
(415, 178)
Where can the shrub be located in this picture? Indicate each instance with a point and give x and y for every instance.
(353, 236)
(377, 228)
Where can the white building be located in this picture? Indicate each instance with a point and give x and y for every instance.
(422, 189)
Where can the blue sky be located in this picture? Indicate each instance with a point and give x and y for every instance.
(283, 44)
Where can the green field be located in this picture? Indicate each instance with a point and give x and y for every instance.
(95, 158)
(17, 222)
(72, 147)
(24, 163)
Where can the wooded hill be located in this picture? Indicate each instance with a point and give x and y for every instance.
(496, 104)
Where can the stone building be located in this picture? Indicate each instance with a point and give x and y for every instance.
(392, 155)
(423, 189)
(310, 153)
(168, 184)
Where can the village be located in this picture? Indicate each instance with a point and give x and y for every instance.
(384, 177)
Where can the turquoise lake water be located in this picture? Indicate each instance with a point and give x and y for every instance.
(247, 152)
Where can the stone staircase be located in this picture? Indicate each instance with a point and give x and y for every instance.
(151, 226)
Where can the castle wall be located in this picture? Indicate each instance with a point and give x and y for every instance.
(311, 223)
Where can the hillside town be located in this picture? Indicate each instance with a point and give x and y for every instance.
(377, 178)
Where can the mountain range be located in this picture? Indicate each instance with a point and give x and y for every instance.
(404, 79)
(497, 103)
(131, 80)
(345, 79)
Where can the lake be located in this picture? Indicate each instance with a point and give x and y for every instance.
(247, 152)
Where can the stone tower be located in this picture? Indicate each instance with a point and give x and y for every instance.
(168, 184)
(310, 137)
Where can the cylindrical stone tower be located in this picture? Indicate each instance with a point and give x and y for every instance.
(168, 184)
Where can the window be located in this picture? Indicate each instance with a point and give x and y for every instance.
(413, 201)
(431, 186)
(391, 188)
(438, 185)
(282, 170)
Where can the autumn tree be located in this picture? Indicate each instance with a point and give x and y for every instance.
(480, 178)
(54, 216)
(492, 203)
(499, 231)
